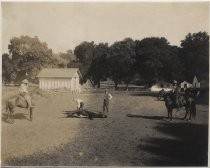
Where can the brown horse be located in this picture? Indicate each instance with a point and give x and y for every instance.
(184, 101)
(17, 101)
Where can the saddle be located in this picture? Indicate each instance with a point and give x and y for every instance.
(21, 101)
(172, 99)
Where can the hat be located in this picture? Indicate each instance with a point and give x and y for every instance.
(25, 81)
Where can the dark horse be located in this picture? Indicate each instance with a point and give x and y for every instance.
(17, 101)
(185, 100)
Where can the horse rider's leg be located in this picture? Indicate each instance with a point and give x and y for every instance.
(28, 99)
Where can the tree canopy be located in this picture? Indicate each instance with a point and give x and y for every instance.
(150, 59)
(195, 55)
(30, 55)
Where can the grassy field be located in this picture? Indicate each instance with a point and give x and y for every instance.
(146, 139)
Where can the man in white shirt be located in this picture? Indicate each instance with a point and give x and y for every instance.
(80, 103)
(24, 92)
(107, 98)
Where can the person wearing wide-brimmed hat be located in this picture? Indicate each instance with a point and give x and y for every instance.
(107, 98)
(24, 92)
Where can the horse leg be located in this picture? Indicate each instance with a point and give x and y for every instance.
(8, 115)
(171, 114)
(186, 109)
(9, 111)
(10, 119)
(190, 115)
(31, 113)
(168, 109)
(168, 113)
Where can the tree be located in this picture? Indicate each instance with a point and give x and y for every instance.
(65, 58)
(195, 55)
(98, 69)
(7, 68)
(84, 55)
(172, 66)
(30, 55)
(121, 61)
(156, 59)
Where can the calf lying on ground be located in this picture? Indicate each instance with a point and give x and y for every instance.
(85, 114)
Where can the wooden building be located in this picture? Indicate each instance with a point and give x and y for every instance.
(60, 79)
(185, 83)
(195, 83)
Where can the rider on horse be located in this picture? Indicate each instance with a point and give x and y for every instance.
(191, 92)
(176, 94)
(24, 92)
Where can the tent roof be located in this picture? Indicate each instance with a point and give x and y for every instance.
(58, 73)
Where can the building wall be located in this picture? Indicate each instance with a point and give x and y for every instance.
(60, 84)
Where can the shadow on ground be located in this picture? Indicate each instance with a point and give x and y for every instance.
(188, 147)
(19, 116)
(162, 118)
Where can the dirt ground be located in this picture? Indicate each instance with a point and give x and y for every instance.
(146, 139)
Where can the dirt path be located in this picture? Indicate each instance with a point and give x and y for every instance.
(144, 140)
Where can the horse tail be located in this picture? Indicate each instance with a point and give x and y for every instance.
(193, 109)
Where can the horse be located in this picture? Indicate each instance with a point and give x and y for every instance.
(17, 101)
(184, 101)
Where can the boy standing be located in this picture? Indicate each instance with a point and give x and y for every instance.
(107, 98)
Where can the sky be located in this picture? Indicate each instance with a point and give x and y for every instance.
(63, 26)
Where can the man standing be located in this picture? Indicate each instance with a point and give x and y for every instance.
(24, 92)
(107, 98)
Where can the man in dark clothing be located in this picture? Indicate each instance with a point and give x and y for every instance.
(176, 92)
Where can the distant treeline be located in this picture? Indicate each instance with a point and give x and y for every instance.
(128, 61)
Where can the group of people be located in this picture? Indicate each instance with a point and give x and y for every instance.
(23, 90)
(176, 90)
(106, 98)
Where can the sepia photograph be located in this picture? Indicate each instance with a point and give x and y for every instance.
(105, 83)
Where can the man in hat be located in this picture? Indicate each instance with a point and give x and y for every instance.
(107, 98)
(24, 92)
(176, 92)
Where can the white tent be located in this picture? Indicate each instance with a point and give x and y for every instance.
(185, 83)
